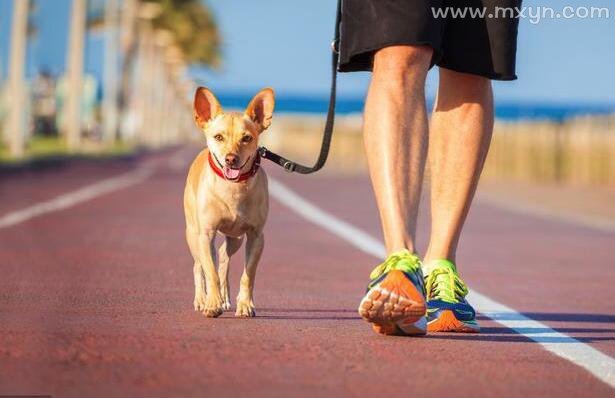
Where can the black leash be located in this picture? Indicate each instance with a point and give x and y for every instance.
(291, 166)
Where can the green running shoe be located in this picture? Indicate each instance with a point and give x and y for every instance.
(447, 308)
(395, 300)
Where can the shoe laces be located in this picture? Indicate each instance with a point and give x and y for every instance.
(443, 283)
(402, 260)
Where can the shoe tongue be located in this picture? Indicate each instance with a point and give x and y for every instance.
(231, 174)
(402, 260)
(402, 253)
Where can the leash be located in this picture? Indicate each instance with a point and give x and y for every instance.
(288, 164)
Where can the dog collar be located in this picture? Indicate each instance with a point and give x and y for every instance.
(215, 166)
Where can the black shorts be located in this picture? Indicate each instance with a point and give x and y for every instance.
(480, 46)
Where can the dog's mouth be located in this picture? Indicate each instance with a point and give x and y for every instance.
(231, 173)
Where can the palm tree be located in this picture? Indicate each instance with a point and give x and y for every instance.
(110, 110)
(191, 23)
(194, 28)
(74, 64)
(15, 128)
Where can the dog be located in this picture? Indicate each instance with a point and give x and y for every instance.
(226, 193)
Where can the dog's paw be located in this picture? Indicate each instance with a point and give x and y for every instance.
(199, 303)
(213, 306)
(226, 304)
(245, 309)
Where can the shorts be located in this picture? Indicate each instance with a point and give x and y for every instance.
(480, 46)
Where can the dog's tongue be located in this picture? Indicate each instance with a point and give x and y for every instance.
(231, 174)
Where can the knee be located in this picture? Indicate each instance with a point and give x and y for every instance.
(402, 62)
(470, 85)
(463, 92)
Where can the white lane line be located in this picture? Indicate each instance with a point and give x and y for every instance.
(595, 362)
(80, 195)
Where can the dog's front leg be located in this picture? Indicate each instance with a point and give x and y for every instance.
(194, 244)
(254, 249)
(228, 248)
(199, 287)
(207, 259)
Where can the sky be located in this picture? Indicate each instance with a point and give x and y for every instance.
(285, 44)
(49, 50)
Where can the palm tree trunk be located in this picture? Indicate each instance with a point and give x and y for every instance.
(110, 111)
(15, 126)
(129, 49)
(74, 79)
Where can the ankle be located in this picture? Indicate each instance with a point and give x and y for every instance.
(442, 254)
(396, 249)
(397, 245)
(431, 259)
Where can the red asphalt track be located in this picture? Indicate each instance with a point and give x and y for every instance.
(96, 300)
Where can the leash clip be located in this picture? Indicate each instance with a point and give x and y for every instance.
(262, 151)
(335, 46)
(289, 166)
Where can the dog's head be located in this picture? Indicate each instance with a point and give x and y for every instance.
(232, 138)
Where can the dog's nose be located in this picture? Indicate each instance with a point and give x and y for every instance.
(231, 160)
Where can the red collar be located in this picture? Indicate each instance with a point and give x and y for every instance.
(213, 163)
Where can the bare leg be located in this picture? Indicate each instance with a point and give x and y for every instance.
(395, 137)
(228, 248)
(461, 128)
(254, 249)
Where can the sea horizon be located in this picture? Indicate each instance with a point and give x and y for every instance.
(505, 110)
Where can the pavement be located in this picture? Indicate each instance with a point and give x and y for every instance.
(96, 293)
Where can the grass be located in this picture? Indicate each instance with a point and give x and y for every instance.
(577, 152)
(50, 147)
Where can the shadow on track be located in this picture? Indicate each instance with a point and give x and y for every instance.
(556, 317)
(516, 338)
(310, 314)
(493, 334)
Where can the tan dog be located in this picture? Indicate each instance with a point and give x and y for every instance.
(226, 193)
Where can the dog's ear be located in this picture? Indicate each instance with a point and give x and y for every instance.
(206, 106)
(260, 109)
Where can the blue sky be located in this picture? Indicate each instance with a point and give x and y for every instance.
(51, 19)
(285, 44)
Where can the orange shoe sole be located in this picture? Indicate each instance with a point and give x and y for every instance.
(447, 322)
(394, 306)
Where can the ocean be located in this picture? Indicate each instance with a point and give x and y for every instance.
(506, 111)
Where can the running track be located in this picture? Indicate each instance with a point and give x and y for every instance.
(96, 297)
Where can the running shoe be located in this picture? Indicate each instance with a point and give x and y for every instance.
(447, 308)
(395, 300)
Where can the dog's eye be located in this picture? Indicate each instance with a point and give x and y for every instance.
(246, 138)
(218, 137)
